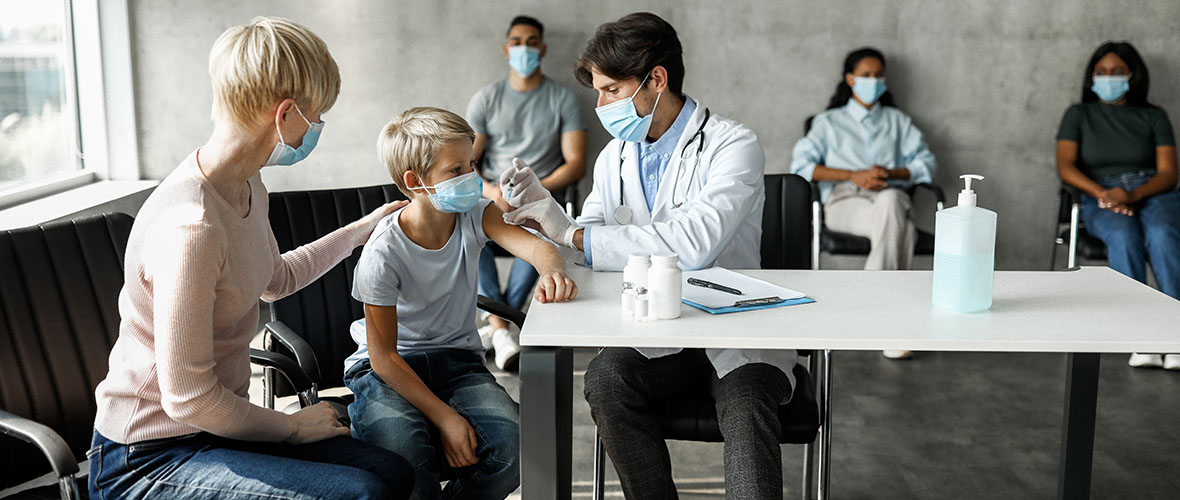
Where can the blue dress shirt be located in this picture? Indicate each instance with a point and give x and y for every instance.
(854, 138)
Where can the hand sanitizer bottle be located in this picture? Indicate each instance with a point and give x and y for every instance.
(964, 254)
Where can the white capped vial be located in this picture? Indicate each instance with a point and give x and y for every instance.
(641, 304)
(628, 300)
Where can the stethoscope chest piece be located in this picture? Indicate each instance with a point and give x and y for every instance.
(623, 214)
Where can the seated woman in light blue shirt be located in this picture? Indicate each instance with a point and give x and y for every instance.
(864, 152)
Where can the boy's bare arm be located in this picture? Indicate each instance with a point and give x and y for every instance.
(553, 285)
(459, 441)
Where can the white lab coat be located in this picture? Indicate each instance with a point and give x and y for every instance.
(718, 224)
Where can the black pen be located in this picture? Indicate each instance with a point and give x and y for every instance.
(715, 286)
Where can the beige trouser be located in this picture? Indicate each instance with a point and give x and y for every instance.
(881, 216)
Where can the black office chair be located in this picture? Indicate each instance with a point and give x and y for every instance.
(312, 325)
(1068, 229)
(784, 246)
(837, 243)
(59, 318)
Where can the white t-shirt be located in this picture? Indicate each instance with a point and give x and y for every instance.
(434, 290)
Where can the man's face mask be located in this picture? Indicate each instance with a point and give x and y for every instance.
(622, 120)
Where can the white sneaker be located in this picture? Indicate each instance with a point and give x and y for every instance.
(894, 354)
(1148, 360)
(507, 349)
(485, 337)
(1172, 361)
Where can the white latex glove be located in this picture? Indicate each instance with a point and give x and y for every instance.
(520, 186)
(555, 224)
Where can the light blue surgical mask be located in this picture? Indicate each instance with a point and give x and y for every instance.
(868, 89)
(523, 59)
(455, 195)
(622, 120)
(284, 154)
(1111, 88)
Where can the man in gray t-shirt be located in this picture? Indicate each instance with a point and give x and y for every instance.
(530, 117)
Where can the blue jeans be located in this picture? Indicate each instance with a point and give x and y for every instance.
(521, 278)
(382, 417)
(204, 466)
(1152, 234)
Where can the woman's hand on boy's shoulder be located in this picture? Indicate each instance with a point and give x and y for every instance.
(555, 287)
(363, 227)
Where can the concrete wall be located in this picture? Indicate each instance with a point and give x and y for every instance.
(986, 80)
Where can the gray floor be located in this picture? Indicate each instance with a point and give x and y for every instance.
(956, 425)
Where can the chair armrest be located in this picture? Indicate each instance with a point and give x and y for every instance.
(939, 196)
(45, 439)
(571, 199)
(285, 365)
(304, 354)
(814, 190)
(502, 310)
(1073, 194)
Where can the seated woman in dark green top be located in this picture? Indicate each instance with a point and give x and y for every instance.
(1119, 150)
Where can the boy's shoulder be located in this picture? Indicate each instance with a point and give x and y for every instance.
(386, 241)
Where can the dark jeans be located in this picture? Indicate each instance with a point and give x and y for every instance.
(204, 466)
(623, 388)
(1152, 234)
(382, 417)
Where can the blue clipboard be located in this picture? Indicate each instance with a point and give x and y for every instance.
(732, 309)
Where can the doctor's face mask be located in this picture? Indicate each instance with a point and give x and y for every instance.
(622, 119)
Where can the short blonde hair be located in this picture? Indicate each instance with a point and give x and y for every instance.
(257, 65)
(410, 141)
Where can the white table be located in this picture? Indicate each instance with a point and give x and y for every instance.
(1082, 312)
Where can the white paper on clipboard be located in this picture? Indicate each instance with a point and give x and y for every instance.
(751, 288)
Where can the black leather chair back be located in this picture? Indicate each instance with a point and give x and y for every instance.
(59, 317)
(786, 223)
(322, 312)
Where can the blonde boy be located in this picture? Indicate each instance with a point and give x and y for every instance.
(421, 387)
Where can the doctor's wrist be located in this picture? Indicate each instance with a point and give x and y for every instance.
(579, 235)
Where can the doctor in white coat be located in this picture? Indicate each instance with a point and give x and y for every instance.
(677, 178)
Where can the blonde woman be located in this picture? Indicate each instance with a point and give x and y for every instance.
(174, 419)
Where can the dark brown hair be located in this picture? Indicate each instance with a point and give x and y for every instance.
(630, 48)
(843, 91)
(527, 21)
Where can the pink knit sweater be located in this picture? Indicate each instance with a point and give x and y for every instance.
(194, 271)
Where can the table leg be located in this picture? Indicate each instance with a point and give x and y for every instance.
(546, 422)
(1077, 435)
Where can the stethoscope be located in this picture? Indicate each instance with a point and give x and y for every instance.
(623, 212)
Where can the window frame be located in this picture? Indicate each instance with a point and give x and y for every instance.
(102, 95)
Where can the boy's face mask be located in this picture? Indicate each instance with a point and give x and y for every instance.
(455, 195)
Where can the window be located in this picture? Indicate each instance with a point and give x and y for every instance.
(39, 133)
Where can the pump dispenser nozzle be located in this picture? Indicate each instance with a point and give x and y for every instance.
(967, 196)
